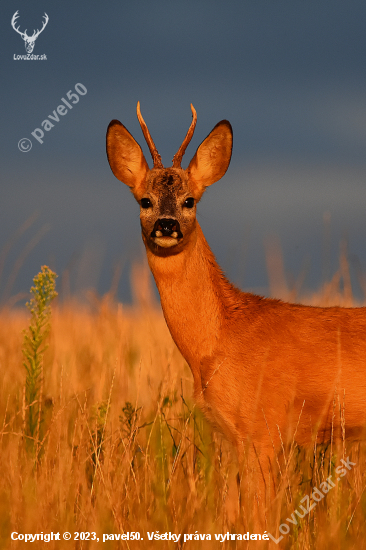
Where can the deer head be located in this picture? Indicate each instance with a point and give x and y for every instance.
(168, 196)
(29, 40)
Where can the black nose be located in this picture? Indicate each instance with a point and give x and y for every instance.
(166, 227)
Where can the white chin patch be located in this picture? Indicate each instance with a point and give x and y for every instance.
(165, 242)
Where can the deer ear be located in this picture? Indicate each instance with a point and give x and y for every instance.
(212, 157)
(126, 158)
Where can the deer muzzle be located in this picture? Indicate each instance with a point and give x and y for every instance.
(166, 232)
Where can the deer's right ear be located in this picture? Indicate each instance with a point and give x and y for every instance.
(212, 157)
(126, 158)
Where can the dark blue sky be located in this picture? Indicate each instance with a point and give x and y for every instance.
(290, 77)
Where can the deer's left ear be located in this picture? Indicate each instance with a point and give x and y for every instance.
(126, 158)
(212, 157)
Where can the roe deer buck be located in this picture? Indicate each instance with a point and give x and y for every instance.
(261, 367)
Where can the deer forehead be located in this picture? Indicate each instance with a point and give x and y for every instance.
(167, 182)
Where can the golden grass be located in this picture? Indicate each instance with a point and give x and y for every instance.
(124, 448)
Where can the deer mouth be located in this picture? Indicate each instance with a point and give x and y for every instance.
(166, 242)
(166, 232)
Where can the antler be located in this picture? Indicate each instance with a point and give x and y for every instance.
(177, 159)
(153, 150)
(24, 34)
(43, 26)
(13, 20)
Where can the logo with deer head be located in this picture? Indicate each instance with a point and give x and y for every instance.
(28, 40)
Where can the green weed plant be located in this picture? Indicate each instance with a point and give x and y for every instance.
(34, 346)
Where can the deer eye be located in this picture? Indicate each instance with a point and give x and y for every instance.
(189, 203)
(146, 203)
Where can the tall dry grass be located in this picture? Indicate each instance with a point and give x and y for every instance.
(124, 449)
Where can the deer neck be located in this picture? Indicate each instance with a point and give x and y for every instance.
(192, 288)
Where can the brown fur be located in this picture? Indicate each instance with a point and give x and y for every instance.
(261, 367)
